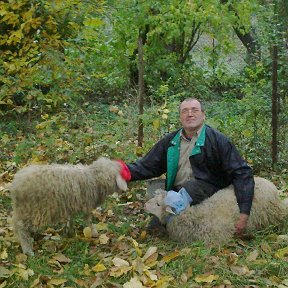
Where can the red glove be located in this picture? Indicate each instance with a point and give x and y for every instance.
(125, 172)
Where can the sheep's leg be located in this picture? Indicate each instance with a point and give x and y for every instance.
(21, 231)
(94, 231)
(69, 228)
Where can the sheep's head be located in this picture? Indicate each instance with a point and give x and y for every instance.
(108, 169)
(157, 207)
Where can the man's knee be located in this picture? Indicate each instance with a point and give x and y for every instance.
(199, 190)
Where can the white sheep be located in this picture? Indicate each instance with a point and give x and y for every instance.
(213, 220)
(50, 194)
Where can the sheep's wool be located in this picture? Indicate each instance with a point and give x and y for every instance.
(48, 194)
(213, 220)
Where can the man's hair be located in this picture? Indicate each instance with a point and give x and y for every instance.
(192, 99)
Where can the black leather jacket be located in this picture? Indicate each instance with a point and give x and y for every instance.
(218, 162)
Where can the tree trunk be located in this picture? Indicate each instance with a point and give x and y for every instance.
(251, 44)
(274, 123)
(247, 39)
(140, 89)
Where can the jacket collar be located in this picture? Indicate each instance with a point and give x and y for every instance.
(173, 155)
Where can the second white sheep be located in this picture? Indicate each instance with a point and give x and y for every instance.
(213, 220)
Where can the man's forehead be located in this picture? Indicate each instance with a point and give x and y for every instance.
(190, 104)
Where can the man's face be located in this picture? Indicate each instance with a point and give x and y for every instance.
(191, 116)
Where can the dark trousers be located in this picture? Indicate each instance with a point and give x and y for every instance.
(199, 190)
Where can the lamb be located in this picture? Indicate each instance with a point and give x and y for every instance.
(50, 194)
(213, 220)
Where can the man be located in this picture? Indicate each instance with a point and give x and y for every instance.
(199, 159)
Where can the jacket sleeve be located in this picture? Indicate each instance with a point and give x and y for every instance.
(153, 164)
(239, 172)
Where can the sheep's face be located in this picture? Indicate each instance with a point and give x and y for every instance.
(156, 205)
(109, 169)
(121, 183)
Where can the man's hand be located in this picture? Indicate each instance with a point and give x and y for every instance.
(241, 224)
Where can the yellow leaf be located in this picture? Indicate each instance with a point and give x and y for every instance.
(110, 213)
(151, 274)
(282, 253)
(247, 133)
(103, 239)
(138, 150)
(260, 262)
(119, 271)
(143, 234)
(61, 258)
(232, 259)
(118, 262)
(185, 251)
(206, 278)
(4, 273)
(101, 226)
(265, 247)
(240, 270)
(163, 282)
(120, 113)
(133, 283)
(45, 116)
(21, 258)
(114, 109)
(99, 268)
(138, 250)
(24, 274)
(252, 256)
(4, 254)
(150, 251)
(138, 265)
(56, 282)
(9, 102)
(184, 278)
(151, 256)
(171, 256)
(156, 124)
(87, 232)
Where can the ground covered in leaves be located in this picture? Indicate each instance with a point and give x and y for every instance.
(123, 254)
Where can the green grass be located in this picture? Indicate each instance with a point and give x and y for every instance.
(83, 254)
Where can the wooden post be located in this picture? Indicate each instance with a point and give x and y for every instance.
(274, 122)
(140, 89)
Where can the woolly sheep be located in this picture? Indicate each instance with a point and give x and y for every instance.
(213, 220)
(49, 194)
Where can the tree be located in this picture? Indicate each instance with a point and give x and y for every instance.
(35, 38)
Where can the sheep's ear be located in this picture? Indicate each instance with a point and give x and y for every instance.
(169, 210)
(121, 183)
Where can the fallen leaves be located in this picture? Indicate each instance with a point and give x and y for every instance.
(99, 268)
(282, 253)
(252, 256)
(48, 281)
(206, 278)
(119, 253)
(4, 272)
